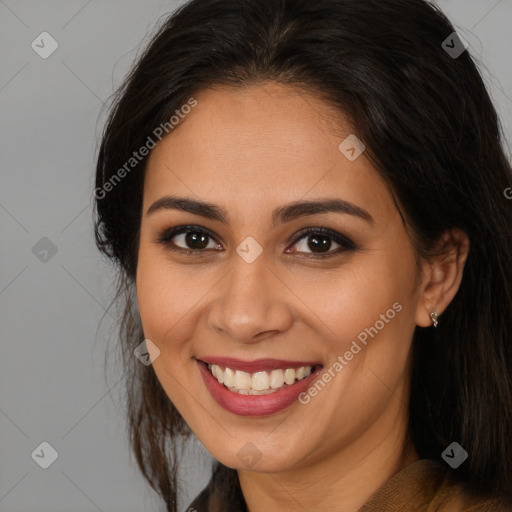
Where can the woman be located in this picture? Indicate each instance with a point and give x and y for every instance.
(307, 199)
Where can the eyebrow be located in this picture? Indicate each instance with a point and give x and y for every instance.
(280, 215)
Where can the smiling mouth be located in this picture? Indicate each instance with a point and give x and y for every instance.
(261, 382)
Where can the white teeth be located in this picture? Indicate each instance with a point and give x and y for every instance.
(251, 391)
(242, 380)
(219, 374)
(289, 376)
(259, 383)
(229, 377)
(276, 379)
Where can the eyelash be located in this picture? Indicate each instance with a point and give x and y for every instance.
(346, 244)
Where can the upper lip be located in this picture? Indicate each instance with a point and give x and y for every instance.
(257, 365)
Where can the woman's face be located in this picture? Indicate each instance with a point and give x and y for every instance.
(256, 290)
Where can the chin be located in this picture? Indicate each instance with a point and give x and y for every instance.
(258, 457)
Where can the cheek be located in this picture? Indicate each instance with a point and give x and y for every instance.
(166, 302)
(353, 297)
(366, 316)
(163, 295)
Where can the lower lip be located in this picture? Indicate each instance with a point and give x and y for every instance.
(254, 405)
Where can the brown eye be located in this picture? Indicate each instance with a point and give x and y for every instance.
(195, 240)
(318, 242)
(189, 239)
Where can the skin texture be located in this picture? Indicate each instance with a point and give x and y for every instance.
(250, 151)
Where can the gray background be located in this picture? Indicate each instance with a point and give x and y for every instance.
(52, 385)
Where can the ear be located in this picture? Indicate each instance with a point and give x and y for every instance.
(442, 275)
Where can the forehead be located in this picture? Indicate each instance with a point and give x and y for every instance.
(266, 143)
(260, 121)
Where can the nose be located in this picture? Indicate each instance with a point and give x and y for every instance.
(252, 303)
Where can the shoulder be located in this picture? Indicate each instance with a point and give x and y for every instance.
(428, 486)
(456, 496)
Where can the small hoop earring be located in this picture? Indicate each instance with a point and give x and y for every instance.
(434, 316)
